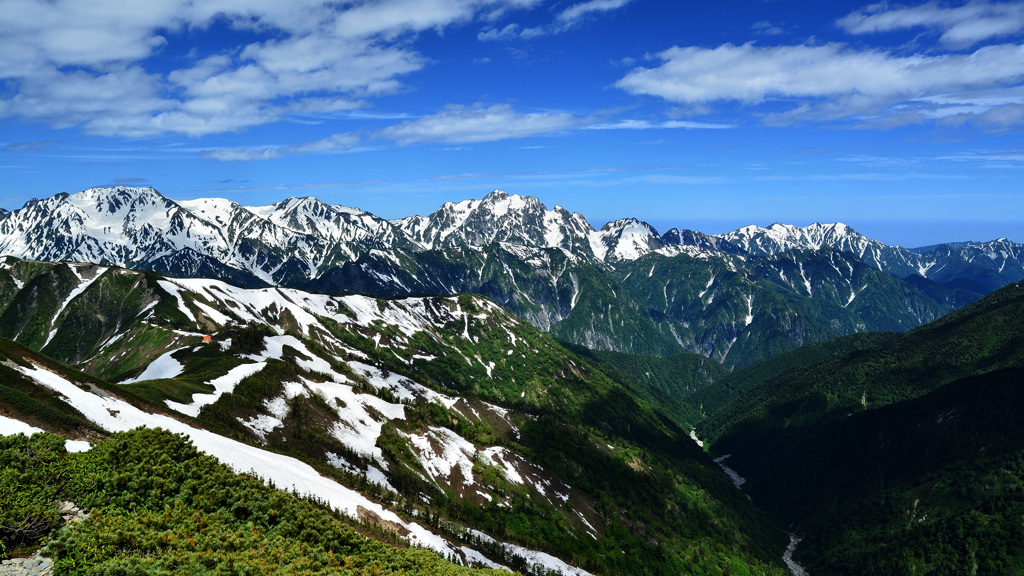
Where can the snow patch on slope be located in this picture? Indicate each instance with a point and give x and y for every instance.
(163, 367)
(222, 385)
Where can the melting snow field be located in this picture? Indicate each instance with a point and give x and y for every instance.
(222, 385)
(535, 557)
(10, 427)
(163, 367)
(116, 415)
(693, 436)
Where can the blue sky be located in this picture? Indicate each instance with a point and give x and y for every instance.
(902, 120)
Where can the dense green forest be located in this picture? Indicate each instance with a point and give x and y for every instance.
(892, 454)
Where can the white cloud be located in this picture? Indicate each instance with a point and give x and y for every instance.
(1010, 156)
(766, 28)
(242, 154)
(88, 63)
(829, 81)
(494, 34)
(961, 26)
(461, 124)
(645, 125)
(565, 20)
(333, 143)
(344, 141)
(95, 101)
(573, 14)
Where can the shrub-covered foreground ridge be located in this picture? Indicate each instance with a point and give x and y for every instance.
(158, 506)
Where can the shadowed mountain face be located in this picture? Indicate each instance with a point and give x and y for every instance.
(894, 452)
(737, 298)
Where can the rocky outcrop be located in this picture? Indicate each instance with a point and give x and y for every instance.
(38, 565)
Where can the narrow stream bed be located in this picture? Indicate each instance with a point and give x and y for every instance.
(794, 568)
(787, 557)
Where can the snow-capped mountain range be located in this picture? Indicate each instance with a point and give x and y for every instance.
(549, 266)
(137, 227)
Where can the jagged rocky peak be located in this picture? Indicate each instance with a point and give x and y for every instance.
(117, 198)
(305, 212)
(628, 226)
(310, 207)
(500, 217)
(781, 237)
(629, 239)
(684, 237)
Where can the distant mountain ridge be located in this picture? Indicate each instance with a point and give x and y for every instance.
(549, 266)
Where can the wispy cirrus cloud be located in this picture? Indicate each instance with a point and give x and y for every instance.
(577, 12)
(334, 143)
(458, 125)
(563, 21)
(1006, 158)
(509, 32)
(31, 146)
(961, 26)
(766, 28)
(478, 123)
(668, 124)
(832, 81)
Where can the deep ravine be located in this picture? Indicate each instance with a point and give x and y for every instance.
(787, 557)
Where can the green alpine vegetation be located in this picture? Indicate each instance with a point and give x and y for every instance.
(889, 452)
(158, 506)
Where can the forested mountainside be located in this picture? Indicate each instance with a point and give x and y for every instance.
(894, 453)
(446, 421)
(737, 298)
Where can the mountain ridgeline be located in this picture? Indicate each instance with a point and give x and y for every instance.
(737, 298)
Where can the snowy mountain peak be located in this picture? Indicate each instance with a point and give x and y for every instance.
(496, 195)
(631, 224)
(629, 239)
(502, 217)
(782, 237)
(115, 199)
(300, 240)
(500, 203)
